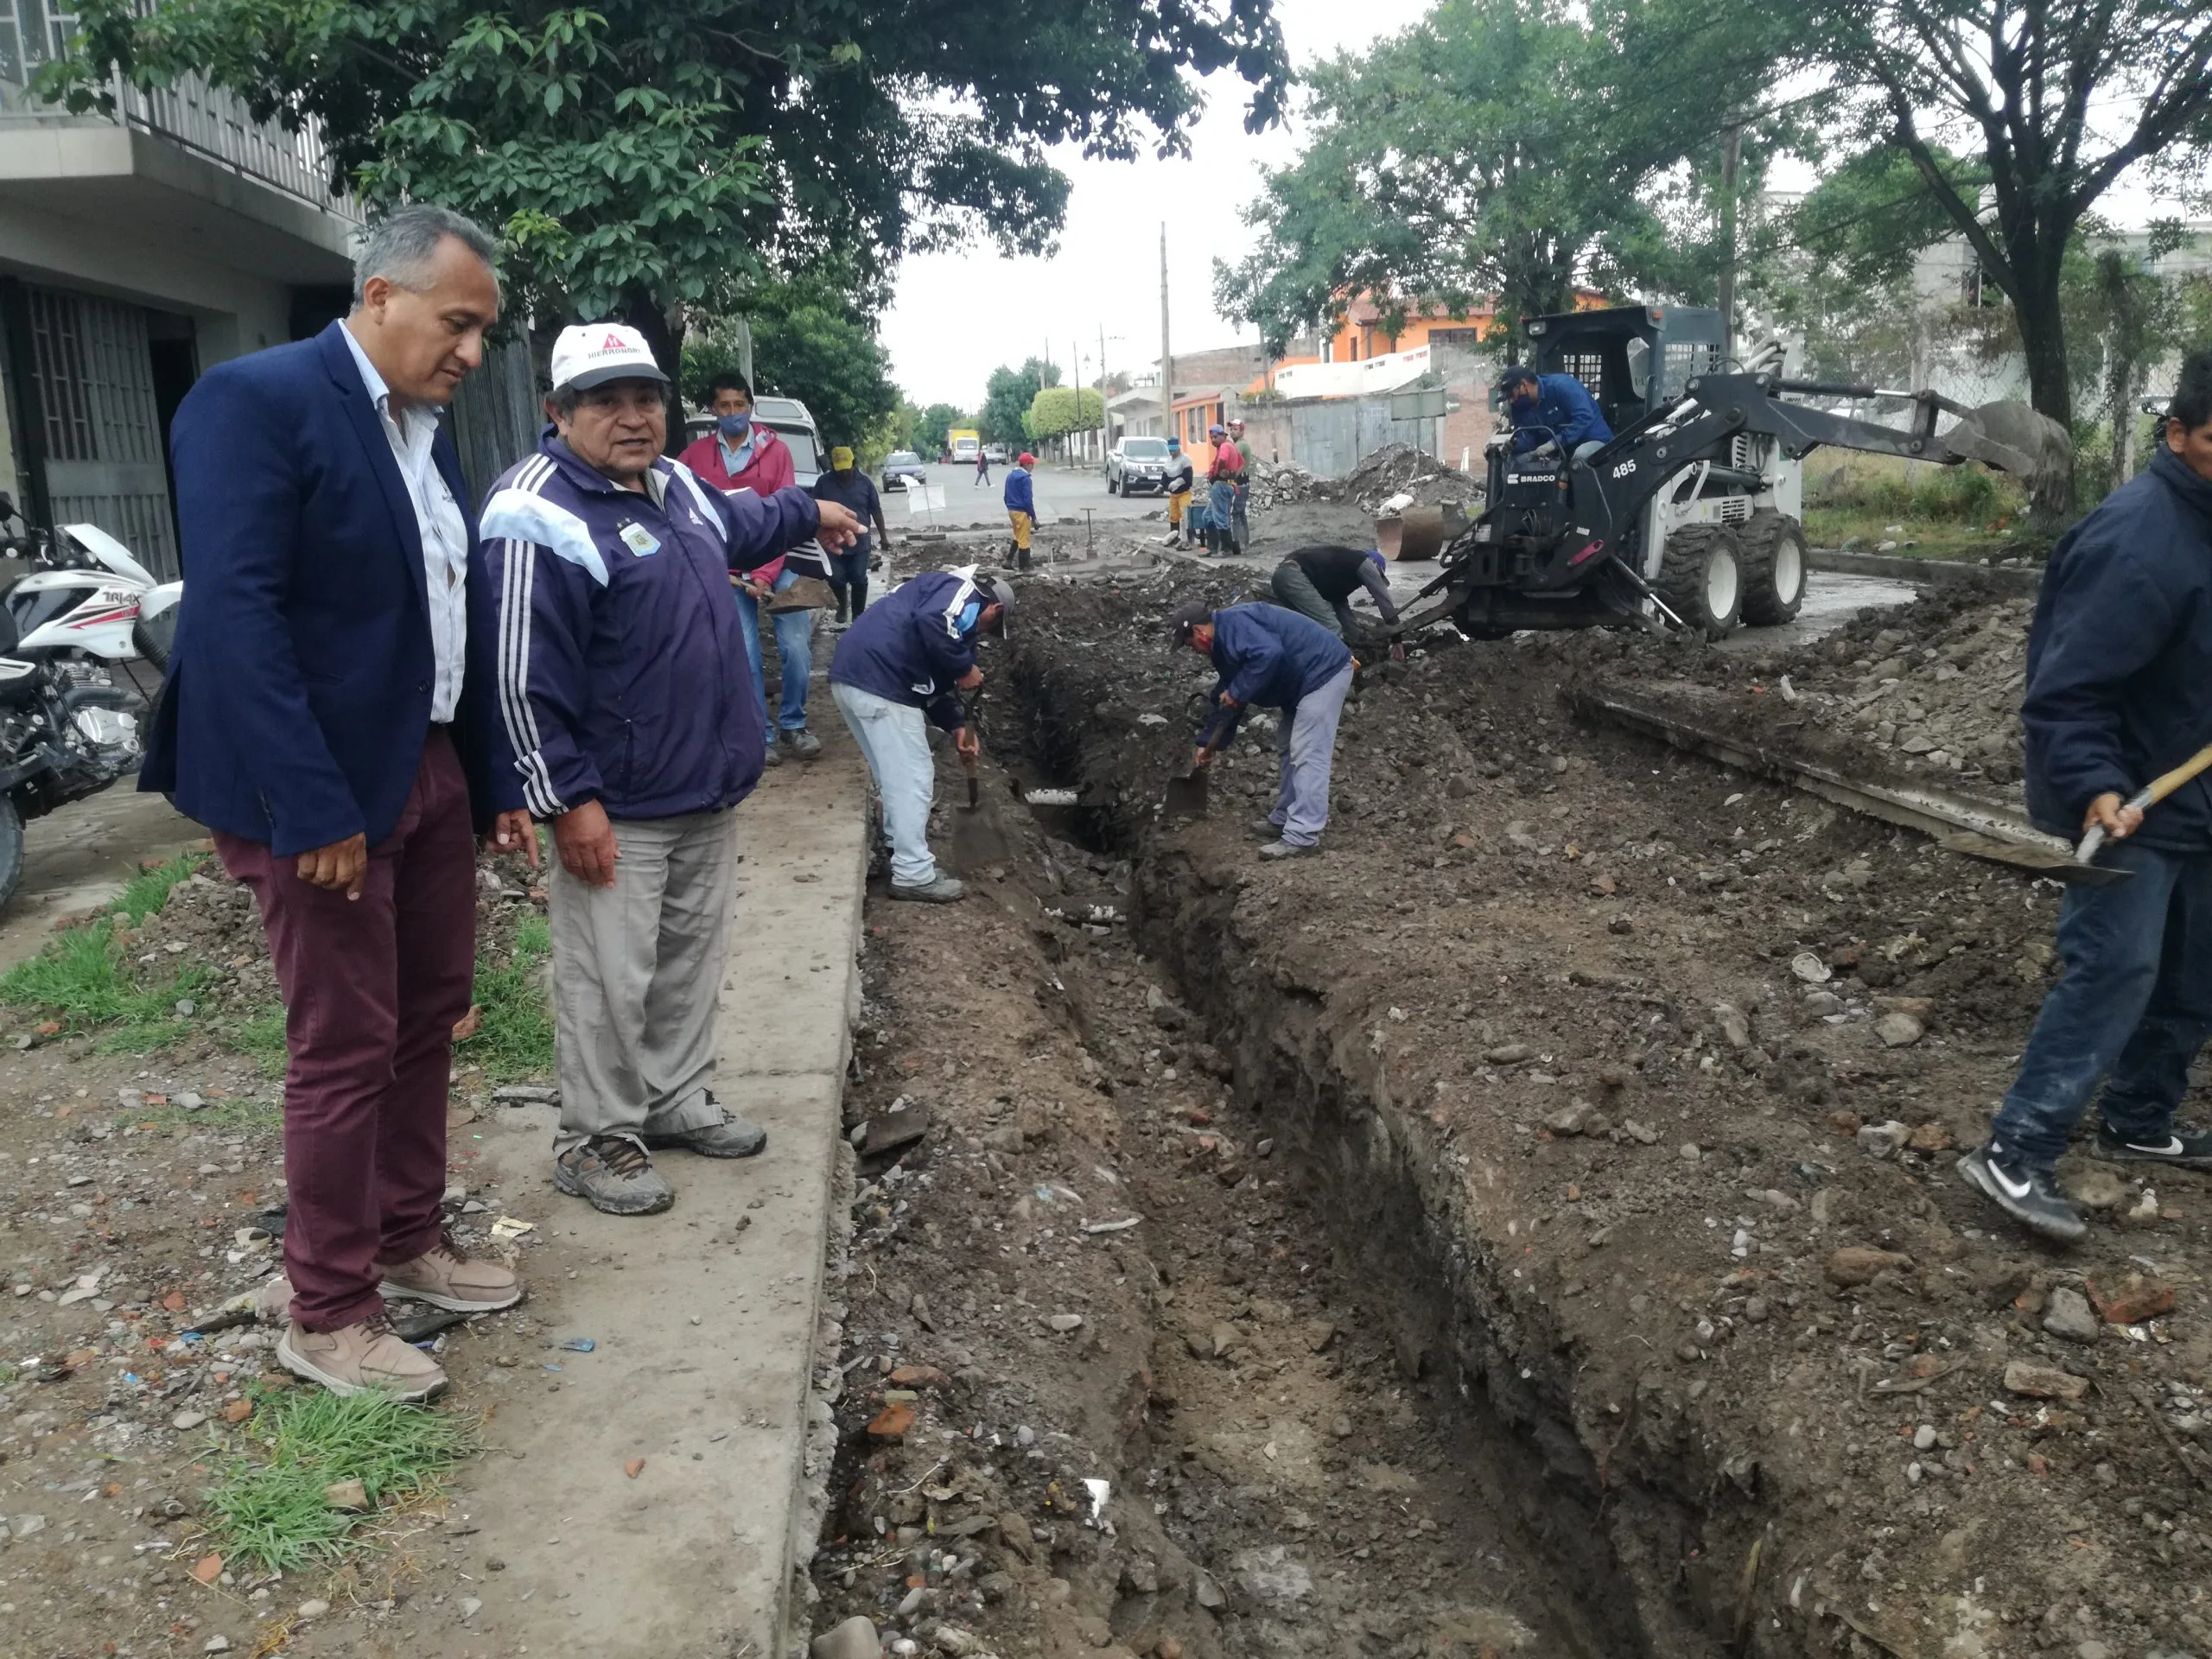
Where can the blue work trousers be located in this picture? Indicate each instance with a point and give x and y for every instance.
(794, 647)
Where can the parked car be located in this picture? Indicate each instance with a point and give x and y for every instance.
(902, 467)
(1136, 464)
(997, 453)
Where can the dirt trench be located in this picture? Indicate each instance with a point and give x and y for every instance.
(1611, 1101)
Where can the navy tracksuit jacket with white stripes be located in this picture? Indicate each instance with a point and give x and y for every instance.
(622, 675)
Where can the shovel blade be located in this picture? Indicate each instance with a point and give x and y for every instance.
(2043, 860)
(1187, 796)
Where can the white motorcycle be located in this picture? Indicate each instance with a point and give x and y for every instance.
(75, 608)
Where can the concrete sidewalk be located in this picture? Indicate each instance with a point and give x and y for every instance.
(703, 1317)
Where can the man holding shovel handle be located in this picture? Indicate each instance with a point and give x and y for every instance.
(2119, 692)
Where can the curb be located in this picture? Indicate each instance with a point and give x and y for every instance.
(2012, 578)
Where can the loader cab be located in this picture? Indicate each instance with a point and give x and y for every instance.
(1634, 358)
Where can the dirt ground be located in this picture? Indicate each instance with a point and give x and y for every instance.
(1602, 1104)
(140, 1192)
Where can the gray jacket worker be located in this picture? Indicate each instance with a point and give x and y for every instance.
(1318, 581)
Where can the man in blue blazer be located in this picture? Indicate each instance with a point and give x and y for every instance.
(331, 715)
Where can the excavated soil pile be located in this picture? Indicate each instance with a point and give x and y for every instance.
(1615, 1097)
(1400, 468)
(1925, 692)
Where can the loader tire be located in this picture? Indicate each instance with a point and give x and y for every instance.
(1702, 578)
(1775, 566)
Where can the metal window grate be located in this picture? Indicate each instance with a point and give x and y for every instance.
(1588, 368)
(1680, 360)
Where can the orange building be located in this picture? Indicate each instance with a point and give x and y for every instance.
(1360, 334)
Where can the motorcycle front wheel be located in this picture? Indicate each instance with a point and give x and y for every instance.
(11, 848)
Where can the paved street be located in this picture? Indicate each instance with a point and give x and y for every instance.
(955, 501)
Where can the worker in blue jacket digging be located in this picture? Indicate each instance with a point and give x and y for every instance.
(1279, 659)
(2120, 690)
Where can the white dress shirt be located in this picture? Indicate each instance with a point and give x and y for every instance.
(444, 531)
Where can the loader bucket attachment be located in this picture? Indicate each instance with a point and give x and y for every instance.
(2012, 438)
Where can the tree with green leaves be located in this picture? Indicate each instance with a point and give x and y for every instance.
(1057, 411)
(808, 343)
(2055, 101)
(1497, 148)
(651, 161)
(1006, 397)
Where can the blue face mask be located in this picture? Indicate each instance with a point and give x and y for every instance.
(734, 426)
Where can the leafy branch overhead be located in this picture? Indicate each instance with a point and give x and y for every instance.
(644, 156)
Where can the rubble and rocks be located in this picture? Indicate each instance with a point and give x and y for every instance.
(1399, 470)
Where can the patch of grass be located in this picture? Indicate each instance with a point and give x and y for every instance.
(78, 977)
(516, 1038)
(149, 890)
(267, 1505)
(1932, 538)
(234, 1112)
(260, 1038)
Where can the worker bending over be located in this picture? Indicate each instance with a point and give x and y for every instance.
(1277, 658)
(1022, 505)
(1551, 409)
(1180, 478)
(1318, 581)
(902, 657)
(2117, 695)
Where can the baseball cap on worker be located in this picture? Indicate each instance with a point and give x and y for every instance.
(591, 353)
(841, 458)
(1217, 430)
(997, 590)
(1376, 554)
(1026, 460)
(1187, 617)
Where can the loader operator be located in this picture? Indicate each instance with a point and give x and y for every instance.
(2116, 695)
(1318, 582)
(1275, 658)
(1551, 409)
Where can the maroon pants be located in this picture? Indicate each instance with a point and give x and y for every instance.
(372, 988)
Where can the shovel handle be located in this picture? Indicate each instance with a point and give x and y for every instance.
(2150, 795)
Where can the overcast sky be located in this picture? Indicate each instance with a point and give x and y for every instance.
(954, 317)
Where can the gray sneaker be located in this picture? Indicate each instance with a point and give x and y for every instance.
(1291, 849)
(803, 743)
(733, 1137)
(613, 1175)
(940, 890)
(2024, 1194)
(1267, 829)
(772, 758)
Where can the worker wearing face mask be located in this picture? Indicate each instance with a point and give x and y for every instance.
(739, 454)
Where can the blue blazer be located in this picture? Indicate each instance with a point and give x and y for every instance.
(298, 695)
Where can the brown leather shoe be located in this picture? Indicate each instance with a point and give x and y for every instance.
(359, 1358)
(448, 1276)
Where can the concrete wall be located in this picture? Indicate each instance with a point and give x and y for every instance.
(233, 311)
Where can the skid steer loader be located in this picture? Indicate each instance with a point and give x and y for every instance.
(1691, 517)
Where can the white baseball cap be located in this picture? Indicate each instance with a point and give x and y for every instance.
(590, 354)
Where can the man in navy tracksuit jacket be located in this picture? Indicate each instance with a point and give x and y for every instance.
(1551, 409)
(1279, 659)
(903, 658)
(630, 708)
(2120, 690)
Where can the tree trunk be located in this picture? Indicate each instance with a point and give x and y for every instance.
(2050, 391)
(663, 332)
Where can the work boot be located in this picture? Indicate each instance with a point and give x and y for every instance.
(939, 890)
(733, 1137)
(614, 1175)
(446, 1277)
(2024, 1194)
(803, 743)
(1267, 829)
(770, 758)
(359, 1358)
(1291, 849)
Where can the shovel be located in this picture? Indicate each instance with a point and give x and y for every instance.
(2076, 869)
(1187, 796)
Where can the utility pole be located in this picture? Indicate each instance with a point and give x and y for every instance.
(1102, 396)
(1167, 353)
(1731, 156)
